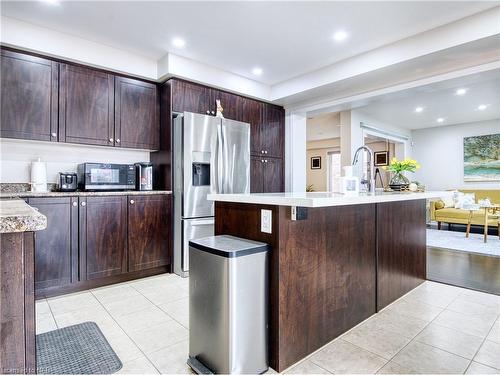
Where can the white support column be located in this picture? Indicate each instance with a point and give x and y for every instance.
(295, 151)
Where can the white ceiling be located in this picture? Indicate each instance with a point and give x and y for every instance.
(324, 126)
(285, 39)
(440, 100)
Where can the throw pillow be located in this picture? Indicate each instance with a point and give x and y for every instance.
(439, 205)
(465, 200)
(448, 202)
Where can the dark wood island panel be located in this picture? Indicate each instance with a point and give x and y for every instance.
(17, 303)
(401, 249)
(326, 271)
(322, 280)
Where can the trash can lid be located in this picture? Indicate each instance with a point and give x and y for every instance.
(228, 246)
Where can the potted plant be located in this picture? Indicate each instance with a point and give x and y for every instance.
(397, 168)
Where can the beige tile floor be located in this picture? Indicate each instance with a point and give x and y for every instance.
(436, 328)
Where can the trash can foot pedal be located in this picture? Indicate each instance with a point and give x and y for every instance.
(198, 367)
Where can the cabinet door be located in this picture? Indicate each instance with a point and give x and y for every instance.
(273, 131)
(56, 247)
(256, 174)
(28, 97)
(137, 123)
(232, 104)
(103, 236)
(86, 106)
(190, 97)
(149, 231)
(253, 113)
(273, 175)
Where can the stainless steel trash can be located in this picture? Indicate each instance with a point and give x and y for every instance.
(228, 291)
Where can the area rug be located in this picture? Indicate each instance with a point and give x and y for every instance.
(457, 241)
(78, 349)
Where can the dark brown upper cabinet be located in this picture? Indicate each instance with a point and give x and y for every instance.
(256, 174)
(273, 131)
(56, 247)
(273, 175)
(86, 106)
(149, 231)
(233, 105)
(29, 88)
(266, 175)
(103, 236)
(253, 111)
(137, 122)
(191, 97)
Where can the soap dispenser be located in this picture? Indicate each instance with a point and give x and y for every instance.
(350, 183)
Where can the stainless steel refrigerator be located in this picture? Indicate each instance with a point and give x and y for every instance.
(211, 155)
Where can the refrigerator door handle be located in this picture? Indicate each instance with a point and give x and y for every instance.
(220, 160)
(198, 222)
(214, 162)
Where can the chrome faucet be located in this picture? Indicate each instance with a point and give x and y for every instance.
(370, 184)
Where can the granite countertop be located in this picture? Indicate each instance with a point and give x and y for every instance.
(31, 194)
(17, 216)
(325, 199)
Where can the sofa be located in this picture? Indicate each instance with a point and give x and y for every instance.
(442, 214)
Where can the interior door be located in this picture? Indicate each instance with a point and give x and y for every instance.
(191, 230)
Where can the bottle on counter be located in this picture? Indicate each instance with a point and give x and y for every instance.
(350, 183)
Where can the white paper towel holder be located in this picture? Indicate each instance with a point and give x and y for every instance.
(38, 176)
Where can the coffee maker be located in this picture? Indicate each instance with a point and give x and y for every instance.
(144, 176)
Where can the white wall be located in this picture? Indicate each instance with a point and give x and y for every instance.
(40, 39)
(440, 152)
(17, 155)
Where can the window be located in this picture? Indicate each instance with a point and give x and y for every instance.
(334, 171)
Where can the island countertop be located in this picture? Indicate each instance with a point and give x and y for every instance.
(17, 216)
(325, 199)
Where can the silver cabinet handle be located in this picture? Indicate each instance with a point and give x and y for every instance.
(265, 152)
(262, 160)
(265, 161)
(54, 135)
(132, 201)
(83, 204)
(76, 204)
(117, 140)
(111, 139)
(262, 152)
(213, 112)
(208, 112)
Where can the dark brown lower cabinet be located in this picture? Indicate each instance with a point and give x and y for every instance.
(56, 248)
(103, 236)
(99, 240)
(266, 175)
(149, 231)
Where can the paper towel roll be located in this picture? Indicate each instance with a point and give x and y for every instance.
(38, 176)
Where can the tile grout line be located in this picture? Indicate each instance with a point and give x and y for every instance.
(126, 334)
(484, 340)
(428, 324)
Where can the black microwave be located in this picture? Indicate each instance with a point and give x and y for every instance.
(101, 176)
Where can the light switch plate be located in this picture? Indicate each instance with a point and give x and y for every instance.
(266, 220)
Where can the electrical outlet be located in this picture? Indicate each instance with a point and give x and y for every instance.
(266, 221)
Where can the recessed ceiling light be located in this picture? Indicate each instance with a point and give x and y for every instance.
(461, 91)
(52, 2)
(179, 42)
(482, 107)
(440, 120)
(257, 71)
(419, 109)
(340, 35)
